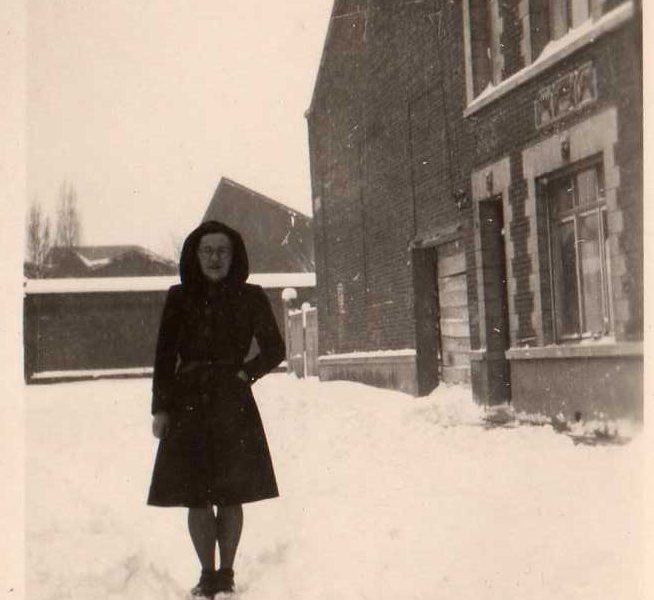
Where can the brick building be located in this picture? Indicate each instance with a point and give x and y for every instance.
(477, 189)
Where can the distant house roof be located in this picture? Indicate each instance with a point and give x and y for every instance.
(106, 261)
(92, 253)
(278, 238)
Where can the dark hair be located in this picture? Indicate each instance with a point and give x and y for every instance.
(189, 266)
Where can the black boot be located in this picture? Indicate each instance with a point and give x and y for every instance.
(206, 587)
(224, 580)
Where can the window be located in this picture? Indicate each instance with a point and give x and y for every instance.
(489, 27)
(580, 266)
(550, 20)
(480, 45)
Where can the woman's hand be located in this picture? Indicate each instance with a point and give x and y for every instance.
(160, 425)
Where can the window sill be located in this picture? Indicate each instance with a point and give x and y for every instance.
(559, 49)
(583, 350)
(485, 355)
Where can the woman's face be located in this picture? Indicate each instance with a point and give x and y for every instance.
(215, 255)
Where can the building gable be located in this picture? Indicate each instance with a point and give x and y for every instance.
(278, 238)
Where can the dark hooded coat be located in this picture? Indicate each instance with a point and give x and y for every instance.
(216, 449)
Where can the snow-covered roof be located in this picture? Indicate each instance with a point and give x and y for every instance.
(226, 181)
(93, 373)
(95, 253)
(93, 262)
(152, 284)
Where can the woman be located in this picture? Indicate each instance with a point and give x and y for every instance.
(213, 455)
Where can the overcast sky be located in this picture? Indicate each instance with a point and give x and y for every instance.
(144, 105)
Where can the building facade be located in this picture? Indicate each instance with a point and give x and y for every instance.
(554, 115)
(477, 190)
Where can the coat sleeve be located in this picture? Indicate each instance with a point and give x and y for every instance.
(271, 345)
(165, 360)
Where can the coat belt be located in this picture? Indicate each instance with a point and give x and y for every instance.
(219, 365)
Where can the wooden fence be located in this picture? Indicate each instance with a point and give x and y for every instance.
(302, 341)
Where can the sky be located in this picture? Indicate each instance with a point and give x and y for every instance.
(144, 106)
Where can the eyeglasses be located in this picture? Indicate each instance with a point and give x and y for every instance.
(208, 252)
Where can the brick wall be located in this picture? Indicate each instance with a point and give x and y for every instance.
(387, 106)
(76, 331)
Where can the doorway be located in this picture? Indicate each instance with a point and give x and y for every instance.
(495, 328)
(452, 320)
(441, 313)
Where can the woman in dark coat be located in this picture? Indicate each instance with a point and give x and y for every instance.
(213, 455)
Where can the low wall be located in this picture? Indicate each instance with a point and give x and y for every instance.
(80, 331)
(388, 370)
(104, 324)
(607, 380)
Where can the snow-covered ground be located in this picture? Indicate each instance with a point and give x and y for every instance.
(383, 497)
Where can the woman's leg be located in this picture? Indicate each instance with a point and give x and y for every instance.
(203, 529)
(229, 526)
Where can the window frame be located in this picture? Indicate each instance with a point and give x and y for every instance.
(491, 33)
(575, 215)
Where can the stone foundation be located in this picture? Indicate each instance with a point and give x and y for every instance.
(397, 372)
(605, 379)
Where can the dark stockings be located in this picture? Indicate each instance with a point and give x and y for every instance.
(229, 527)
(206, 527)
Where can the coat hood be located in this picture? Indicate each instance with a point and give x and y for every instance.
(189, 267)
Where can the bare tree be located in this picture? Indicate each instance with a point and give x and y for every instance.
(68, 223)
(38, 237)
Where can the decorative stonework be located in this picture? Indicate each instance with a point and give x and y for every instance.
(595, 135)
(566, 95)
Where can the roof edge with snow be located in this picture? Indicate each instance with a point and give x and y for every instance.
(155, 283)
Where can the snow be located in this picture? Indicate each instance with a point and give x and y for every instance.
(384, 496)
(152, 283)
(369, 354)
(283, 280)
(66, 285)
(91, 262)
(93, 373)
(589, 28)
